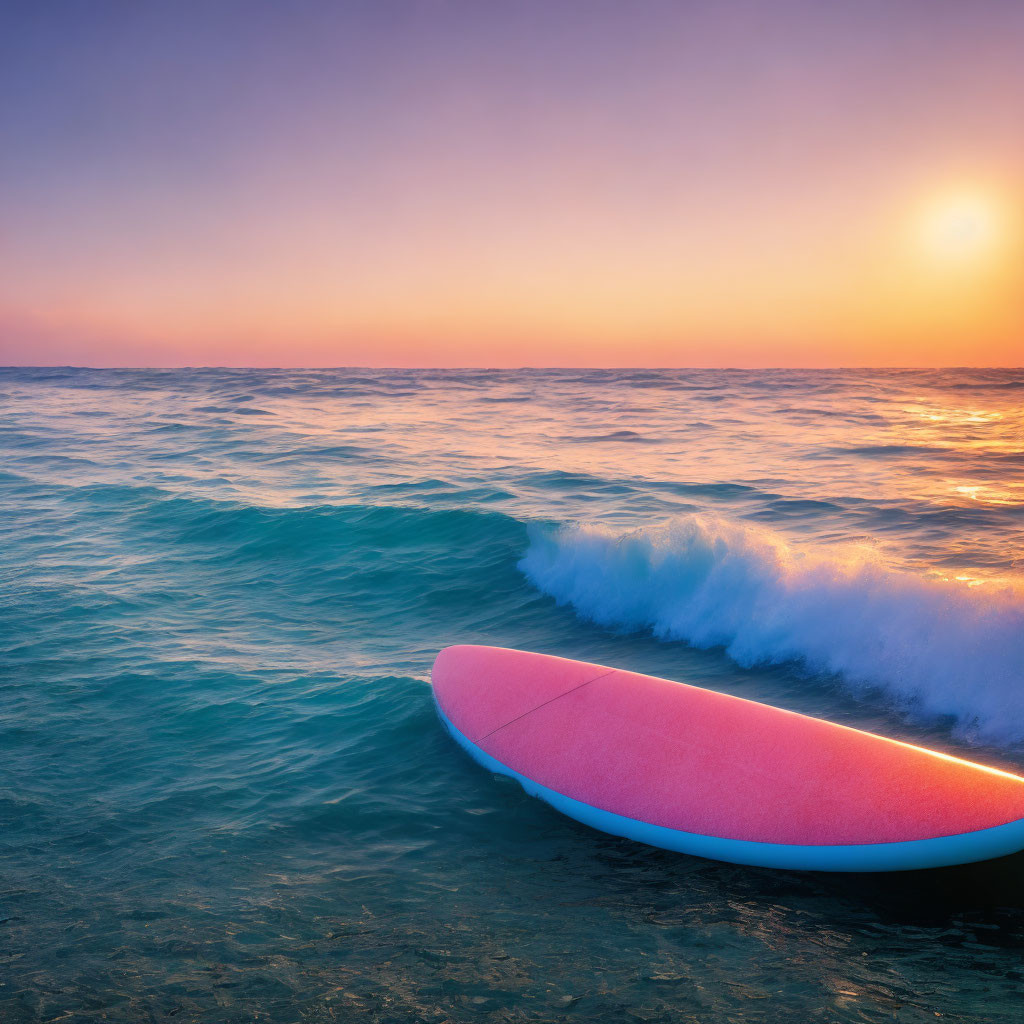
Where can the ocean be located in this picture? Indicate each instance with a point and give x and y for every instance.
(224, 792)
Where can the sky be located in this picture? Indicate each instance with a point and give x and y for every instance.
(499, 183)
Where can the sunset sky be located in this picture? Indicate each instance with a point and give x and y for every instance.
(509, 182)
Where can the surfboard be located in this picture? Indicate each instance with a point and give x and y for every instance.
(705, 773)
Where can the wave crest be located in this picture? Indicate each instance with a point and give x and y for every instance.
(937, 647)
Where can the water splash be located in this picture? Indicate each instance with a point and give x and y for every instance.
(936, 646)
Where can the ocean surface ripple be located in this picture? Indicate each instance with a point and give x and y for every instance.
(225, 796)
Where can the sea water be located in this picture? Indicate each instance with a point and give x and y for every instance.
(224, 792)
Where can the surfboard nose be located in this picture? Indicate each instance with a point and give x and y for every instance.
(480, 689)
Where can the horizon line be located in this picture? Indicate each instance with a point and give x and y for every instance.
(514, 369)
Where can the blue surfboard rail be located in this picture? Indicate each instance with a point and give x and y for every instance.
(916, 854)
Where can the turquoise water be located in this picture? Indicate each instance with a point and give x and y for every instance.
(224, 793)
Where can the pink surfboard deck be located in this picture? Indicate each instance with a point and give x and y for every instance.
(702, 772)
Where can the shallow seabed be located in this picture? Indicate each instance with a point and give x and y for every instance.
(225, 795)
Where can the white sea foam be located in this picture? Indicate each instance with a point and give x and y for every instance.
(937, 646)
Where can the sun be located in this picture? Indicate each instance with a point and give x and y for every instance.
(961, 227)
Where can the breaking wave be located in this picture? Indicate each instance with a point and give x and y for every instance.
(936, 647)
